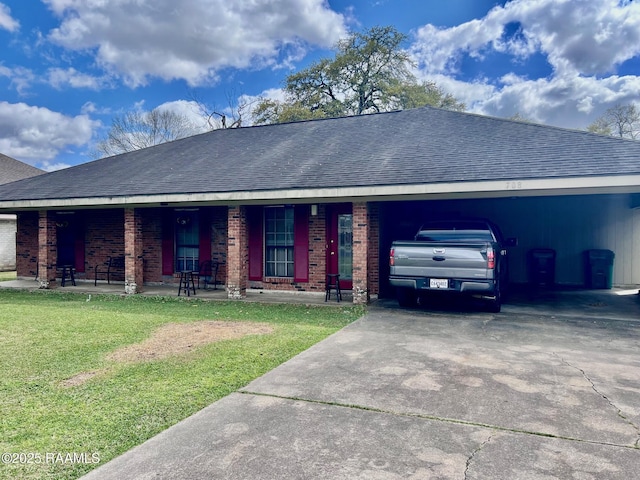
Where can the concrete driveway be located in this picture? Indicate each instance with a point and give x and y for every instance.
(530, 393)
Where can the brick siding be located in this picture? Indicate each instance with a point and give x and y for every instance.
(105, 236)
(219, 240)
(238, 252)
(27, 244)
(133, 269)
(47, 249)
(374, 248)
(152, 244)
(317, 261)
(360, 250)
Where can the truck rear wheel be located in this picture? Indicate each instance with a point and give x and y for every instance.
(495, 304)
(406, 297)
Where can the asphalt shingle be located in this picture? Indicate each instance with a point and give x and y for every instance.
(12, 170)
(417, 146)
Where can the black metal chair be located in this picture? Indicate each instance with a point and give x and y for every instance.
(208, 272)
(333, 281)
(113, 263)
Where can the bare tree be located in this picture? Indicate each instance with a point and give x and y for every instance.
(135, 130)
(518, 117)
(619, 121)
(232, 116)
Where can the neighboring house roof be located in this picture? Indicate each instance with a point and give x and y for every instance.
(12, 170)
(419, 150)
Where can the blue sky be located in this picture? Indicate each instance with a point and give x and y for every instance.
(67, 67)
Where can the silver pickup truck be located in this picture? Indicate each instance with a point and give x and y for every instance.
(462, 256)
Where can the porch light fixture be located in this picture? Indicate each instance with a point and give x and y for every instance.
(314, 210)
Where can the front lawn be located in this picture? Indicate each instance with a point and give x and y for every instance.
(6, 276)
(93, 377)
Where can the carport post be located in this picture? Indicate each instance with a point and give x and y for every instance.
(237, 252)
(47, 249)
(133, 247)
(360, 275)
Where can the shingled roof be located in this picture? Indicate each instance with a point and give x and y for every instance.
(12, 170)
(410, 147)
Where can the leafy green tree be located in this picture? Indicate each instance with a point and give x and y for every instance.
(619, 121)
(370, 73)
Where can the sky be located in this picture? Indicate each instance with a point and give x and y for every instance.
(68, 67)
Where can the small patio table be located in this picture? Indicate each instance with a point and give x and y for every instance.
(67, 270)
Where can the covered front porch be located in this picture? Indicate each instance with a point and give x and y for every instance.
(256, 249)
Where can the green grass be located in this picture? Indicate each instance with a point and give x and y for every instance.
(6, 276)
(46, 338)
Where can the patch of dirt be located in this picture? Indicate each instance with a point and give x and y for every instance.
(79, 379)
(178, 338)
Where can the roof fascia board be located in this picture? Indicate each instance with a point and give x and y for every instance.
(496, 188)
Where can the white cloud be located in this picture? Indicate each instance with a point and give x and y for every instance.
(583, 41)
(21, 78)
(189, 109)
(51, 167)
(586, 36)
(192, 39)
(58, 78)
(7, 22)
(35, 134)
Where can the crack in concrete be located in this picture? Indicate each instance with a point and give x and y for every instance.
(620, 413)
(437, 419)
(474, 453)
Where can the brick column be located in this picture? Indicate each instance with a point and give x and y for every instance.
(374, 248)
(237, 252)
(360, 251)
(133, 244)
(47, 249)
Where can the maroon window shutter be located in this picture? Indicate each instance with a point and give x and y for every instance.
(167, 243)
(254, 229)
(301, 244)
(205, 236)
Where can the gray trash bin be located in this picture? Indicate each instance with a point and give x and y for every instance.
(542, 267)
(599, 268)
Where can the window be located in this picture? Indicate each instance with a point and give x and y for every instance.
(278, 239)
(187, 241)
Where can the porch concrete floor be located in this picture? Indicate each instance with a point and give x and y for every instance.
(253, 295)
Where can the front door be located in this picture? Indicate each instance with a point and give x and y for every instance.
(340, 243)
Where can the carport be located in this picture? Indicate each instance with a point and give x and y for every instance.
(570, 224)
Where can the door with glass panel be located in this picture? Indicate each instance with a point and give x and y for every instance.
(187, 241)
(340, 243)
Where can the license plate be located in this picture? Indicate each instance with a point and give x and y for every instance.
(438, 283)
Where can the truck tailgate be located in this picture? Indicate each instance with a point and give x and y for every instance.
(433, 260)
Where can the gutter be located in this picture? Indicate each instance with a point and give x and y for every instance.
(515, 187)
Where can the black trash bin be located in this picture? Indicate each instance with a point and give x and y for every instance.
(599, 268)
(542, 267)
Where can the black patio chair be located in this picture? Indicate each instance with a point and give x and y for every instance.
(208, 273)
